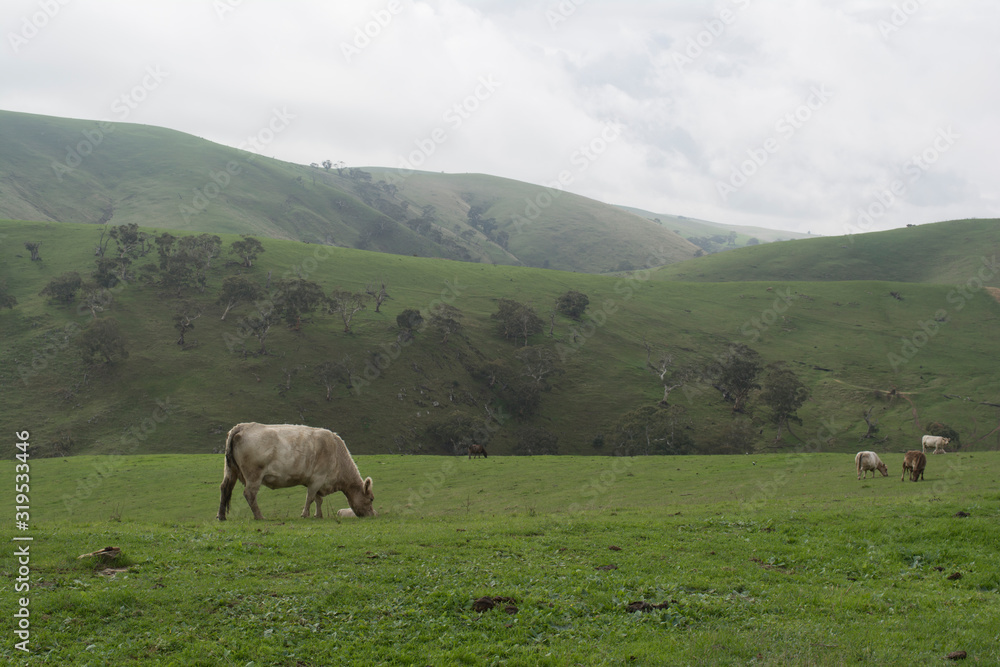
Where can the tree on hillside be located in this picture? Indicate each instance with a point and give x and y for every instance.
(95, 298)
(184, 320)
(455, 433)
(651, 430)
(408, 321)
(347, 305)
(378, 291)
(737, 374)
(331, 373)
(33, 247)
(538, 363)
(130, 242)
(509, 386)
(259, 325)
(446, 320)
(298, 297)
(670, 376)
(536, 441)
(783, 393)
(7, 300)
(62, 289)
(248, 250)
(102, 339)
(236, 290)
(572, 304)
(516, 320)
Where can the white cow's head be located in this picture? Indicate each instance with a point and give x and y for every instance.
(361, 499)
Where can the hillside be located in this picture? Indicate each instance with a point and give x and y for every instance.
(944, 253)
(852, 344)
(56, 169)
(716, 236)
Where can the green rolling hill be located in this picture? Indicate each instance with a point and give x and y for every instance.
(56, 169)
(855, 345)
(945, 253)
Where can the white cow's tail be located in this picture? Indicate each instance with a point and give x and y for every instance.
(231, 472)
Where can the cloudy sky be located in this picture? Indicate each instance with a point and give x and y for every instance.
(828, 116)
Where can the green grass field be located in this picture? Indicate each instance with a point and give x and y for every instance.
(753, 560)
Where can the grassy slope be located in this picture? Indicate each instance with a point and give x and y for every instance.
(146, 174)
(769, 560)
(688, 227)
(837, 336)
(944, 252)
(547, 227)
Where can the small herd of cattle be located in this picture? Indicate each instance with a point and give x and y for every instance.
(914, 462)
(279, 456)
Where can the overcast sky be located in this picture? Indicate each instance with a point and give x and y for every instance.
(826, 116)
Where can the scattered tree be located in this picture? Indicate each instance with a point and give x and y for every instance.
(783, 393)
(102, 339)
(670, 377)
(538, 364)
(7, 300)
(298, 297)
(347, 305)
(738, 373)
(248, 250)
(455, 433)
(331, 373)
(236, 290)
(446, 320)
(33, 249)
(536, 441)
(516, 320)
(377, 290)
(572, 304)
(408, 321)
(650, 430)
(62, 289)
(95, 298)
(184, 320)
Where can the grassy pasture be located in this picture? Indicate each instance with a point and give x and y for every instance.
(763, 560)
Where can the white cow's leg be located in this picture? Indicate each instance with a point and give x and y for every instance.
(319, 506)
(310, 496)
(250, 493)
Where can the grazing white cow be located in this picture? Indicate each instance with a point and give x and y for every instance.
(865, 461)
(935, 441)
(283, 455)
(915, 462)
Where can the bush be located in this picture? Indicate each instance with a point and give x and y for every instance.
(572, 304)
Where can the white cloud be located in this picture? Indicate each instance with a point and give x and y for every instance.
(697, 89)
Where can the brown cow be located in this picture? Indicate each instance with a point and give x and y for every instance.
(915, 462)
(476, 450)
(283, 455)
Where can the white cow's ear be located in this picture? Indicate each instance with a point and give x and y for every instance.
(368, 485)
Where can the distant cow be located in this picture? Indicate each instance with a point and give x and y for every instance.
(865, 461)
(476, 450)
(283, 455)
(915, 462)
(935, 441)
